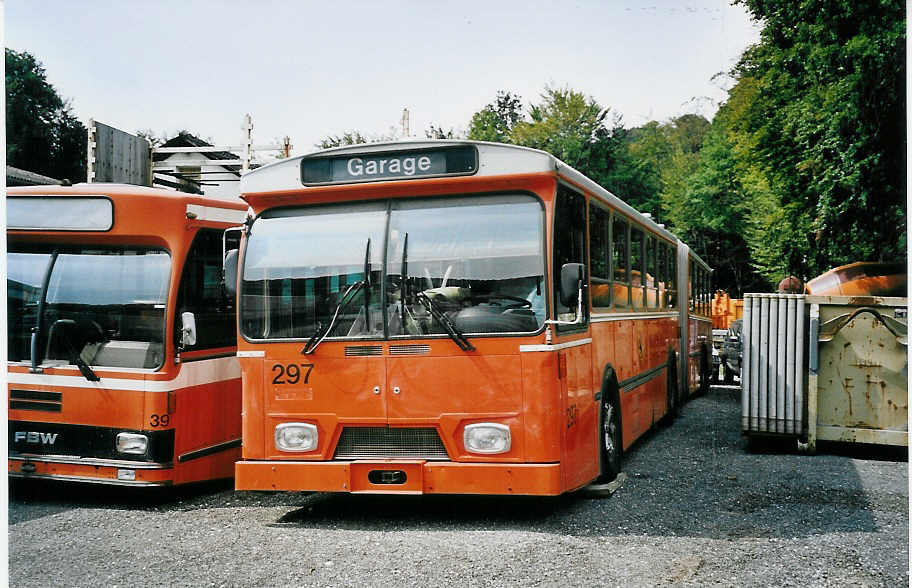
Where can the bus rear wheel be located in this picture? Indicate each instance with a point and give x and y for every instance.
(671, 388)
(704, 370)
(609, 440)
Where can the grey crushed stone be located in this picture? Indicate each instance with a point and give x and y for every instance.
(697, 508)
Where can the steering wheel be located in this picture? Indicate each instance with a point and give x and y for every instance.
(95, 333)
(518, 302)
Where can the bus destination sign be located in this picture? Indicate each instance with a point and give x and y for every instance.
(395, 165)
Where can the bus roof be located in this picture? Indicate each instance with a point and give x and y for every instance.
(111, 189)
(493, 159)
(95, 205)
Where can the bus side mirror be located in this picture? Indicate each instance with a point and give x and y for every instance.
(230, 268)
(572, 277)
(188, 329)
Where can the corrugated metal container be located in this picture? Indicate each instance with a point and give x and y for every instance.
(772, 367)
(858, 376)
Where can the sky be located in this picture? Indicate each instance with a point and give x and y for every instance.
(308, 70)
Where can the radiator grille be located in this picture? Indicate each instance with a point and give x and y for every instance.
(363, 350)
(772, 366)
(409, 349)
(36, 400)
(383, 442)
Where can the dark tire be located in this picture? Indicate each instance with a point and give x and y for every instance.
(609, 432)
(673, 393)
(704, 370)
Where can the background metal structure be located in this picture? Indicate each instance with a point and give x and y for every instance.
(118, 157)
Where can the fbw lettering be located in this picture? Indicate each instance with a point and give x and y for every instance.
(35, 437)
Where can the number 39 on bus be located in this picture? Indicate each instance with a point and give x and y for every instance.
(121, 338)
(454, 317)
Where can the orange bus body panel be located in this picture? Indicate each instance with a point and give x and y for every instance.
(197, 401)
(545, 387)
(435, 478)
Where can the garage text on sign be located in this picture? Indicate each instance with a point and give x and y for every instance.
(389, 166)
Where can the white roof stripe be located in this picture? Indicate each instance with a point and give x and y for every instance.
(191, 374)
(493, 158)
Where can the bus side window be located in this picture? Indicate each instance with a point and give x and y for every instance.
(637, 271)
(201, 292)
(707, 293)
(600, 278)
(651, 292)
(619, 262)
(661, 273)
(569, 242)
(671, 286)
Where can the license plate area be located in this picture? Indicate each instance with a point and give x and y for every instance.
(387, 477)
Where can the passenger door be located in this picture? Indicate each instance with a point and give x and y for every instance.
(580, 438)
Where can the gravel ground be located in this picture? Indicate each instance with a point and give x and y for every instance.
(696, 508)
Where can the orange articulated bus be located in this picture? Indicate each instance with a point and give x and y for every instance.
(454, 317)
(122, 342)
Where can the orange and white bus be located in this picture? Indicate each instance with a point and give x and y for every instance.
(121, 338)
(452, 317)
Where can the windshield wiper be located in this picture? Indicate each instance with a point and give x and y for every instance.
(347, 297)
(321, 333)
(451, 329)
(403, 286)
(87, 372)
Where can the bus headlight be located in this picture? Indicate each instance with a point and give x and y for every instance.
(487, 438)
(296, 437)
(132, 443)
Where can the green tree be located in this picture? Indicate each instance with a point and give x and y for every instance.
(42, 133)
(571, 126)
(346, 138)
(664, 155)
(435, 132)
(709, 209)
(495, 121)
(820, 130)
(577, 130)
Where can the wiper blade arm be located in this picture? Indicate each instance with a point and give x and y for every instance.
(321, 333)
(87, 372)
(451, 329)
(404, 285)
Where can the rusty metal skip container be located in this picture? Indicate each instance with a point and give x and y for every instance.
(858, 370)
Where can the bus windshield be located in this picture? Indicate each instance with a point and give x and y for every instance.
(106, 306)
(476, 262)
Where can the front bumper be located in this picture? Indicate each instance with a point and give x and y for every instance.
(400, 477)
(95, 471)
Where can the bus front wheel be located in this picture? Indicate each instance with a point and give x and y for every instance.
(609, 439)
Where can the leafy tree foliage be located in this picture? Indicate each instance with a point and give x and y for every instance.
(435, 132)
(42, 133)
(495, 121)
(577, 130)
(665, 154)
(819, 127)
(346, 138)
(572, 127)
(710, 211)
